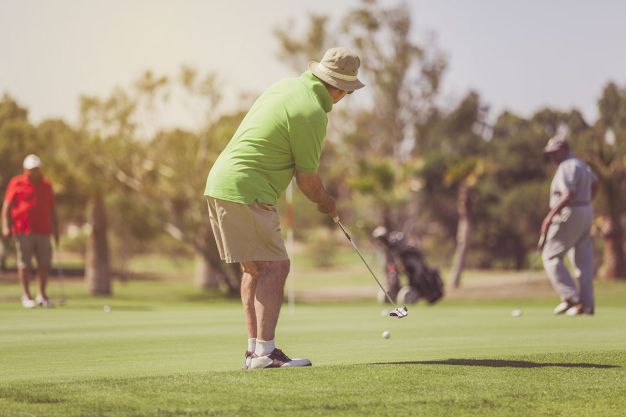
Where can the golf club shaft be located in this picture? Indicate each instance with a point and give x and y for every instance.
(533, 266)
(345, 232)
(60, 272)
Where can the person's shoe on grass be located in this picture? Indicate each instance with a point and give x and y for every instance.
(40, 300)
(276, 359)
(28, 302)
(564, 306)
(247, 359)
(579, 310)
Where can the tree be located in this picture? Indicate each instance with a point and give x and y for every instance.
(462, 163)
(180, 161)
(17, 139)
(515, 193)
(402, 77)
(168, 171)
(605, 145)
(103, 144)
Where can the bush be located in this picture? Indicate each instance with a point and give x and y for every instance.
(322, 247)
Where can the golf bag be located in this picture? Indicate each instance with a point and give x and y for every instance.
(423, 281)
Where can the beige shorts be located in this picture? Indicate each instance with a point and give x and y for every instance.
(29, 245)
(246, 232)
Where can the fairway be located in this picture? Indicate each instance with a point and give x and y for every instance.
(182, 359)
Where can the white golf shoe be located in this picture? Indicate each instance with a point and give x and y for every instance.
(247, 360)
(276, 359)
(564, 306)
(28, 302)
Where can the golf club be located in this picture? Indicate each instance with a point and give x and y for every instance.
(57, 254)
(518, 311)
(542, 242)
(397, 312)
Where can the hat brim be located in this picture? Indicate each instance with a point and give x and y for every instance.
(335, 82)
(552, 149)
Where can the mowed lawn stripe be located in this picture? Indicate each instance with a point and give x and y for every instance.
(538, 385)
(171, 359)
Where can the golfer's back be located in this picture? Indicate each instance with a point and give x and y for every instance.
(573, 176)
(283, 131)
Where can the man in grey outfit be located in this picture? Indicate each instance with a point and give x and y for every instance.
(567, 229)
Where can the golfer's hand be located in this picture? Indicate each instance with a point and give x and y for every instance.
(328, 206)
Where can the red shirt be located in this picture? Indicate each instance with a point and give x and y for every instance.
(31, 205)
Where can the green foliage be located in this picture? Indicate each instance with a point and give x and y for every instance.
(17, 139)
(375, 176)
(321, 247)
(76, 243)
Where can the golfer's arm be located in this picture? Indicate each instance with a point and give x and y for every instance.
(563, 201)
(5, 216)
(311, 185)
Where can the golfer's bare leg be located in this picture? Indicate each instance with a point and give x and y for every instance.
(42, 275)
(269, 296)
(249, 279)
(22, 274)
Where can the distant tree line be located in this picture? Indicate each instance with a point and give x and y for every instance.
(472, 189)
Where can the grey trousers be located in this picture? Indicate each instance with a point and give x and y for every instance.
(572, 237)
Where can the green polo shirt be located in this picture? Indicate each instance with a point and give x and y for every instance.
(283, 131)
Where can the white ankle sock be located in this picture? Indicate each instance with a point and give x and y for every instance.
(264, 347)
(251, 344)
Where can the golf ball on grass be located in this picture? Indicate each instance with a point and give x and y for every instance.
(107, 309)
(517, 312)
(386, 334)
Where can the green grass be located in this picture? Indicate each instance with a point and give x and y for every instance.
(180, 356)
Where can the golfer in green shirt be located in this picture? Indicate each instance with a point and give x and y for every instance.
(281, 136)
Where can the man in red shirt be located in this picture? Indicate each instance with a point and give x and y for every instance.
(29, 215)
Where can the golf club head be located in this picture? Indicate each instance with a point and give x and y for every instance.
(399, 312)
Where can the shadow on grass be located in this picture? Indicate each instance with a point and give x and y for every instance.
(500, 363)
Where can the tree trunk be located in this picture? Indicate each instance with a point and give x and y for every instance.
(97, 263)
(614, 262)
(463, 234)
(520, 254)
(206, 277)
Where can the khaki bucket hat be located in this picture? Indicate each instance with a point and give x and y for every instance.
(339, 67)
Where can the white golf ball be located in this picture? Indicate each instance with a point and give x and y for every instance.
(517, 312)
(386, 334)
(107, 309)
(384, 313)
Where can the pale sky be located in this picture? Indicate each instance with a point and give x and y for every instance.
(517, 55)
